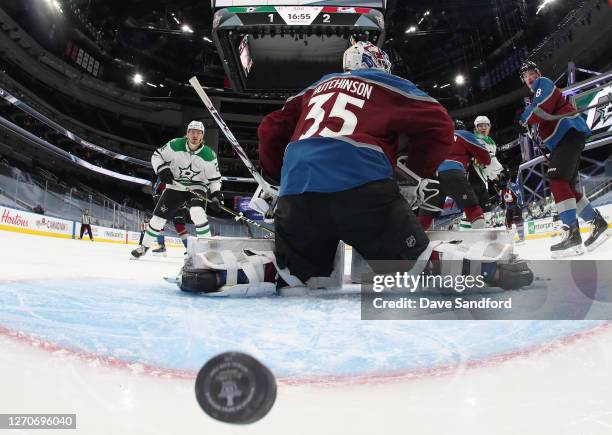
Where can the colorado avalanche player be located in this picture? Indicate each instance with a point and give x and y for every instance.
(453, 179)
(333, 147)
(513, 201)
(565, 138)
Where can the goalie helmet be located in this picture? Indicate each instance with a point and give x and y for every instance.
(363, 55)
(196, 125)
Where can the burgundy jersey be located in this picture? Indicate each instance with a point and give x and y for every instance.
(343, 132)
(466, 146)
(548, 100)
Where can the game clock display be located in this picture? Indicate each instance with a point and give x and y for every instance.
(303, 15)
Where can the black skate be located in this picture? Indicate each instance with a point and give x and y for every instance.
(160, 251)
(570, 244)
(139, 252)
(599, 232)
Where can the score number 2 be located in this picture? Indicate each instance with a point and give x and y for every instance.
(339, 110)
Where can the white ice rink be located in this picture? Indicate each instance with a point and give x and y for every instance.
(84, 330)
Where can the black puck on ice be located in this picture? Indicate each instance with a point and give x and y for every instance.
(234, 387)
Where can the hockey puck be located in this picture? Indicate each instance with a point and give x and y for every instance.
(234, 387)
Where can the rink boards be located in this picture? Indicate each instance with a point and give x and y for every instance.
(31, 223)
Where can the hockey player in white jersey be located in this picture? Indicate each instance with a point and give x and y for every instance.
(481, 176)
(190, 171)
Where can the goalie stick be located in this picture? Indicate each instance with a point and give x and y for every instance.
(266, 187)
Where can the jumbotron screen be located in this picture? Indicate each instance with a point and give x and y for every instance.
(302, 59)
(294, 44)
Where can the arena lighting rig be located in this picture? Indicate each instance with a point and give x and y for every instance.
(276, 48)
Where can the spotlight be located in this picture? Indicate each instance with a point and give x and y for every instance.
(137, 78)
(459, 80)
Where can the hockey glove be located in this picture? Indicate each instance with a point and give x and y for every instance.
(216, 201)
(165, 175)
(427, 190)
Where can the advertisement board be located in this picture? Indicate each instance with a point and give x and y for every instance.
(32, 223)
(546, 227)
(599, 119)
(241, 205)
(104, 234)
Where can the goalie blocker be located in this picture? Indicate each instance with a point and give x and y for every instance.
(247, 267)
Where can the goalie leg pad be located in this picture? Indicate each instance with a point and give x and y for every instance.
(510, 276)
(200, 280)
(493, 260)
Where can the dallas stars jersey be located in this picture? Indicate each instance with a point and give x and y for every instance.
(192, 169)
(491, 171)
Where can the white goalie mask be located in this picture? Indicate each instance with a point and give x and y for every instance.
(364, 55)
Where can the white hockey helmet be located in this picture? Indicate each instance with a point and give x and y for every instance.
(365, 55)
(196, 125)
(481, 119)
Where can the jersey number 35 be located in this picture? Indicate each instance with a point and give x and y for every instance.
(339, 110)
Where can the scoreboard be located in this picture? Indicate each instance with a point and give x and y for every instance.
(378, 4)
(300, 15)
(276, 50)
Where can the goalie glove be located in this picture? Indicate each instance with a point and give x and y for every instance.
(265, 203)
(418, 196)
(425, 190)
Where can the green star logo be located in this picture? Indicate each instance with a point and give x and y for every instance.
(605, 112)
(188, 173)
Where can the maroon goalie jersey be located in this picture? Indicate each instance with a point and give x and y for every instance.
(343, 132)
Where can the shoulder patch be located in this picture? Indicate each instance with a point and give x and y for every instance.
(178, 144)
(206, 153)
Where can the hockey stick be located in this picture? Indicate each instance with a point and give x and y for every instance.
(266, 187)
(239, 217)
(548, 117)
(538, 143)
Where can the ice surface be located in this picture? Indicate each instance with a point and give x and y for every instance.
(84, 329)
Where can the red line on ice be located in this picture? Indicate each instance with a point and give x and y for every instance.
(325, 380)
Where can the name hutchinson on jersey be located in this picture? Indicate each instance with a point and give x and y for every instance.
(353, 86)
